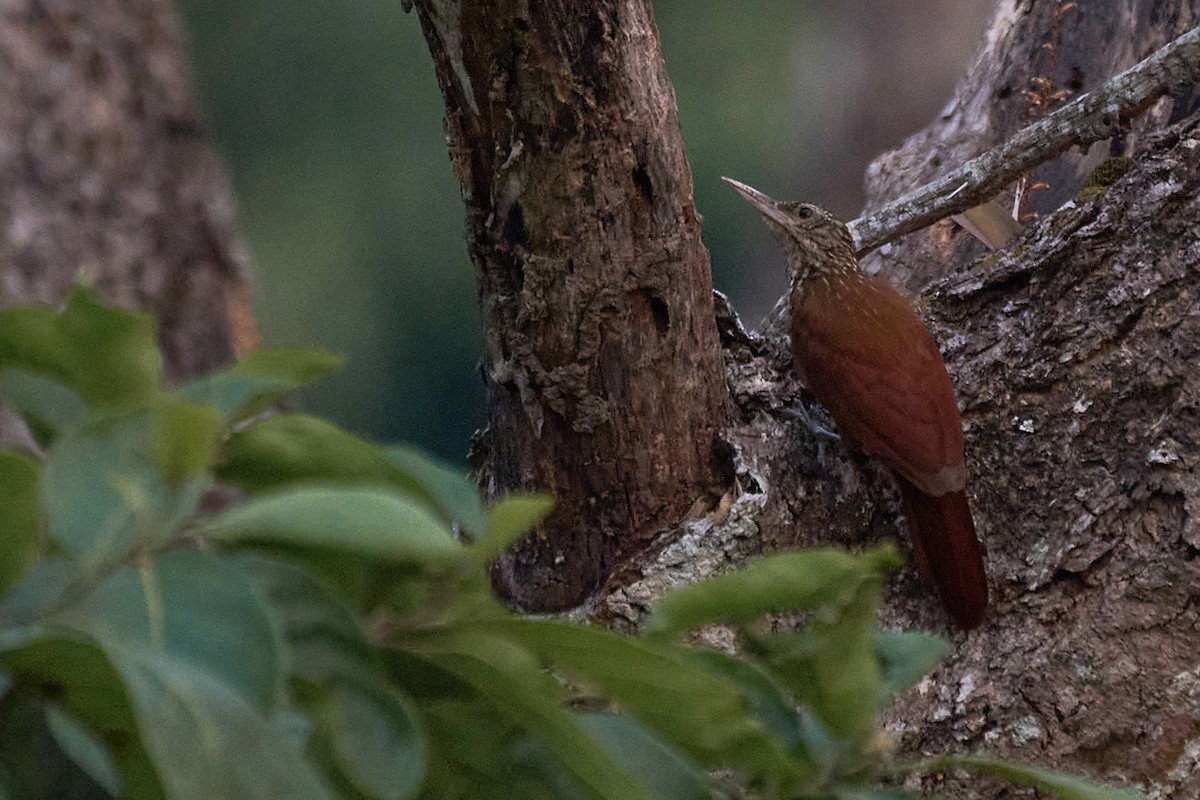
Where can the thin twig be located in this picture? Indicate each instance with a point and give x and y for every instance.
(1087, 119)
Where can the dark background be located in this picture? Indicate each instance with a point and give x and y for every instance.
(329, 117)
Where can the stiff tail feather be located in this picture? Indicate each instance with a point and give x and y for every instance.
(947, 551)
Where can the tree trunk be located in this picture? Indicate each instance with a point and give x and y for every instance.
(1075, 47)
(603, 367)
(1073, 353)
(104, 175)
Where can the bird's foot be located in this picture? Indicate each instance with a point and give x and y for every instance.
(801, 412)
(820, 433)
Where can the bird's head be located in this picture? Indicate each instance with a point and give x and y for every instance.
(816, 242)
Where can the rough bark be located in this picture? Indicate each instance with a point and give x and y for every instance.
(603, 368)
(1092, 41)
(1073, 352)
(1091, 117)
(104, 175)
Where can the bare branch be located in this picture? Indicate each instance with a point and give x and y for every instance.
(1087, 119)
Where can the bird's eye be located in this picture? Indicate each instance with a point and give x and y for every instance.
(804, 212)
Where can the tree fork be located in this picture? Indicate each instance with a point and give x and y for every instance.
(1087, 119)
(605, 383)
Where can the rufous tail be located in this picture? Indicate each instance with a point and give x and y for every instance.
(946, 550)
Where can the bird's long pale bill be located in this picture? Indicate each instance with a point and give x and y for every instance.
(754, 197)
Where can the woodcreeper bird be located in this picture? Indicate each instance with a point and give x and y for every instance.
(860, 349)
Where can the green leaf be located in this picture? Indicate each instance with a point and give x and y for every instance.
(1066, 787)
(104, 490)
(298, 366)
(203, 663)
(509, 520)
(666, 772)
(259, 380)
(376, 740)
(324, 638)
(767, 698)
(37, 592)
(84, 685)
(193, 609)
(373, 523)
(84, 749)
(113, 353)
(845, 666)
(97, 484)
(372, 733)
(30, 339)
(33, 763)
(184, 437)
(208, 742)
(76, 671)
(875, 793)
(107, 355)
(905, 658)
(790, 659)
(291, 449)
(297, 448)
(19, 517)
(700, 712)
(481, 756)
(455, 497)
(514, 686)
(830, 665)
(432, 598)
(45, 403)
(790, 581)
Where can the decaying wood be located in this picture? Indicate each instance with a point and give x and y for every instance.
(603, 367)
(1091, 117)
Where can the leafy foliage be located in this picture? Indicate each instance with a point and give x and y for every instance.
(334, 636)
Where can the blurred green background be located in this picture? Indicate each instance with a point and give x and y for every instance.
(330, 120)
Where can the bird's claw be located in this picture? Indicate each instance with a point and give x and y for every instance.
(800, 412)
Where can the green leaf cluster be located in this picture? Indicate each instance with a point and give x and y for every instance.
(203, 599)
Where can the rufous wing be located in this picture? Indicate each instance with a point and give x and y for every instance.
(867, 358)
